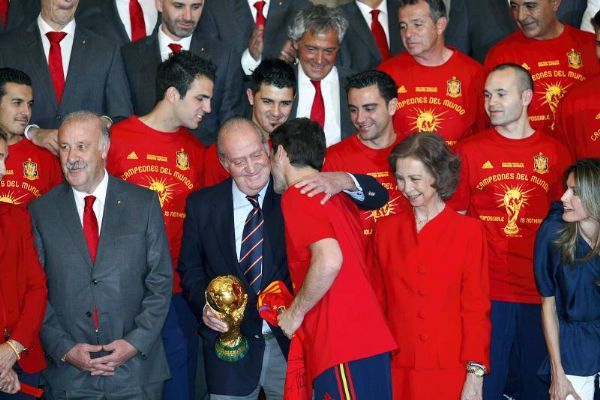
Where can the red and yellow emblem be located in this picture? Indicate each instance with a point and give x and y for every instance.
(540, 163)
(454, 87)
(30, 170)
(182, 160)
(574, 58)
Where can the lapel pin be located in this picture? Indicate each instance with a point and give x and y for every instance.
(118, 201)
(83, 41)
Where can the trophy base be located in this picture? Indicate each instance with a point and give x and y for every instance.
(231, 353)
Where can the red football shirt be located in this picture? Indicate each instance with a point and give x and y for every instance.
(31, 171)
(351, 155)
(578, 119)
(447, 99)
(555, 66)
(213, 169)
(170, 163)
(347, 323)
(509, 184)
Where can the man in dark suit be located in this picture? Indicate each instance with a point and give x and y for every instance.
(19, 13)
(177, 31)
(238, 24)
(207, 252)
(316, 33)
(71, 69)
(119, 21)
(103, 245)
(360, 48)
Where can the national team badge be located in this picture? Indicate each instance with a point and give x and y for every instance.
(540, 164)
(30, 170)
(183, 161)
(574, 58)
(453, 88)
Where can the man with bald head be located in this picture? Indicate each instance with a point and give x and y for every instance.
(215, 242)
(103, 246)
(556, 55)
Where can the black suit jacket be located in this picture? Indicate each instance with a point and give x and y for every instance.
(95, 79)
(208, 251)
(477, 25)
(142, 58)
(20, 13)
(231, 22)
(347, 128)
(102, 17)
(358, 51)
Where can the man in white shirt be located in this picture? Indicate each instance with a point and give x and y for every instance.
(316, 33)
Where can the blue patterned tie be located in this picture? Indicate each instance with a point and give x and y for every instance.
(251, 252)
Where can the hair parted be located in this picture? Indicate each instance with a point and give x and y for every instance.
(180, 70)
(386, 85)
(433, 152)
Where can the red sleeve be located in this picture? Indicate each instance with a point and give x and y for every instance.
(213, 169)
(475, 300)
(374, 266)
(307, 217)
(34, 305)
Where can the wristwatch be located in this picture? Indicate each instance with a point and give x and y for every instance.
(476, 369)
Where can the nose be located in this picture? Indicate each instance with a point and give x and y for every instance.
(276, 110)
(187, 13)
(206, 107)
(319, 57)
(566, 195)
(520, 13)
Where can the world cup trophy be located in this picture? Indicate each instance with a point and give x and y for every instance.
(226, 297)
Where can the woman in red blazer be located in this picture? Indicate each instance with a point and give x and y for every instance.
(22, 296)
(430, 270)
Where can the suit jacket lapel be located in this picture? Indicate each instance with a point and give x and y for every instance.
(77, 65)
(273, 240)
(113, 15)
(222, 217)
(34, 51)
(362, 29)
(275, 22)
(396, 45)
(243, 17)
(113, 208)
(72, 223)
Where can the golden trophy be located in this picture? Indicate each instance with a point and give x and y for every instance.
(226, 297)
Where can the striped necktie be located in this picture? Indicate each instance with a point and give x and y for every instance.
(251, 252)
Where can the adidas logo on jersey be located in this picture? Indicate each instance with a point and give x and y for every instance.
(132, 156)
(487, 165)
(402, 89)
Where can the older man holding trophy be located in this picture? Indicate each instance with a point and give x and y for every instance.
(236, 228)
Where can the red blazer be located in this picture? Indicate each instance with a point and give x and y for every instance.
(434, 287)
(22, 286)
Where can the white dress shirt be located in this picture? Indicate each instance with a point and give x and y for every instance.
(164, 41)
(249, 64)
(365, 10)
(586, 21)
(148, 9)
(66, 45)
(330, 87)
(98, 206)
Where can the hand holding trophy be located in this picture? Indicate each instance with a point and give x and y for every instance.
(226, 297)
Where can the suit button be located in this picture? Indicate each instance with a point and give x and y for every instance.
(88, 314)
(94, 282)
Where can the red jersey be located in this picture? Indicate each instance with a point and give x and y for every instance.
(31, 171)
(509, 185)
(436, 289)
(554, 64)
(347, 323)
(213, 169)
(166, 162)
(22, 287)
(578, 119)
(353, 156)
(447, 99)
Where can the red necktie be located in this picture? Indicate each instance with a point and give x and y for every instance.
(175, 48)
(260, 16)
(317, 111)
(4, 12)
(90, 230)
(379, 35)
(55, 63)
(136, 16)
(90, 226)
